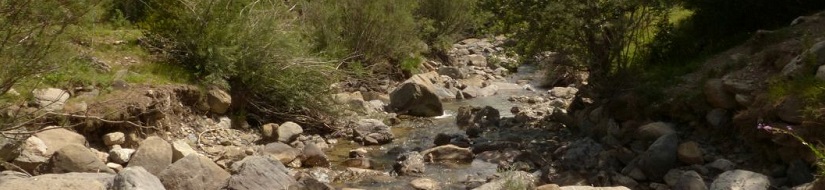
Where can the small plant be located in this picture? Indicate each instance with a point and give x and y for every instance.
(818, 151)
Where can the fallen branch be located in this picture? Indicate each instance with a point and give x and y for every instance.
(100, 119)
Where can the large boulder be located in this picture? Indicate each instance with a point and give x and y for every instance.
(56, 138)
(68, 181)
(741, 179)
(181, 149)
(372, 132)
(219, 101)
(154, 154)
(136, 178)
(716, 95)
(448, 152)
(416, 100)
(50, 99)
(313, 156)
(660, 157)
(288, 131)
(193, 172)
(582, 154)
(76, 158)
(257, 172)
(32, 154)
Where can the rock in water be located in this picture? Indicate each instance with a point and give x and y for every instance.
(373, 132)
(314, 157)
(410, 164)
(448, 152)
(416, 100)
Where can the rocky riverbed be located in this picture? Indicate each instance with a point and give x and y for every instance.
(469, 123)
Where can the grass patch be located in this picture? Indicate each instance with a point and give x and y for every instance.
(809, 88)
(159, 73)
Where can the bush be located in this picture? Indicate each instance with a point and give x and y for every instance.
(444, 22)
(370, 31)
(251, 47)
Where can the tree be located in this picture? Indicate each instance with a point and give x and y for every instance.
(29, 32)
(605, 37)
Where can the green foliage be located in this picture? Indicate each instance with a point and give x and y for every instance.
(29, 33)
(251, 47)
(607, 37)
(444, 22)
(715, 26)
(372, 31)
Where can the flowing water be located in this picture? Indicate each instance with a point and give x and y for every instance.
(419, 135)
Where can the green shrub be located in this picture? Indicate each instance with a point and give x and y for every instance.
(444, 22)
(251, 47)
(372, 31)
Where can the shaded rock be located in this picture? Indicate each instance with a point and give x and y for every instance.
(425, 184)
(9, 148)
(218, 101)
(741, 179)
(121, 155)
(718, 117)
(193, 172)
(448, 152)
(281, 152)
(32, 154)
(660, 157)
(116, 138)
(582, 154)
(69, 181)
(717, 96)
(789, 109)
(181, 149)
(485, 117)
(154, 154)
(452, 72)
(459, 140)
(410, 164)
(372, 132)
(690, 153)
(287, 132)
(136, 178)
(56, 138)
(50, 99)
(314, 157)
(673, 176)
(471, 92)
(721, 165)
(799, 173)
(689, 180)
(416, 100)
(655, 130)
(257, 172)
(76, 158)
